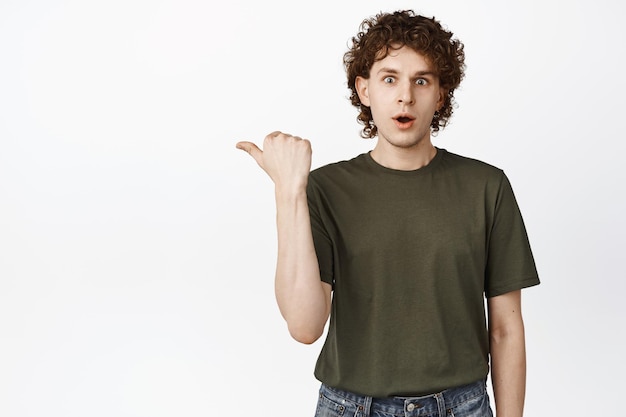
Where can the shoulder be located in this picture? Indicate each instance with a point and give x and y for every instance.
(339, 169)
(455, 160)
(470, 167)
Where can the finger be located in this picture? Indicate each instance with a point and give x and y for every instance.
(252, 149)
(275, 133)
(270, 137)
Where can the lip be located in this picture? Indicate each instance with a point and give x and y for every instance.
(403, 120)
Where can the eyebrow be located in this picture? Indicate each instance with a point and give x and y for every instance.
(387, 70)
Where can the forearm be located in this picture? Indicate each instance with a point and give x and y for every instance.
(303, 299)
(508, 370)
(301, 295)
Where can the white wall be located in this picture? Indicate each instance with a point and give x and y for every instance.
(137, 245)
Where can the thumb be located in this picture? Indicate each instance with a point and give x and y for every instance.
(253, 150)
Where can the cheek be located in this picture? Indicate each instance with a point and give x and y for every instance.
(380, 98)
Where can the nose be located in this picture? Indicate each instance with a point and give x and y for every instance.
(405, 94)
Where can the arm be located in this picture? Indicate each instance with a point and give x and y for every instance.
(508, 353)
(303, 298)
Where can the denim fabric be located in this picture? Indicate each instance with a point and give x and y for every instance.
(469, 400)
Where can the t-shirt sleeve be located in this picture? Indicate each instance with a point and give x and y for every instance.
(510, 263)
(321, 239)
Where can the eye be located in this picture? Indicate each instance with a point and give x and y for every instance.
(388, 80)
(421, 81)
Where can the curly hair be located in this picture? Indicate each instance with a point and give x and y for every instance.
(387, 31)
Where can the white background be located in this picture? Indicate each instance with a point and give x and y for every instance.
(137, 245)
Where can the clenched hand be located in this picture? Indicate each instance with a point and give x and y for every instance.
(285, 158)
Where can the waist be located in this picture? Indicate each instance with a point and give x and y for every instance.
(426, 403)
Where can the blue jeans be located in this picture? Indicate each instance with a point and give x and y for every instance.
(469, 400)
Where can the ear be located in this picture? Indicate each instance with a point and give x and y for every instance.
(442, 98)
(362, 85)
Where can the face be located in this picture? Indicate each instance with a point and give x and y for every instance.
(403, 94)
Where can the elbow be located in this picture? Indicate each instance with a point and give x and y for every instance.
(304, 335)
(504, 334)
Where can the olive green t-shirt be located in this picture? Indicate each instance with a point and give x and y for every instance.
(411, 256)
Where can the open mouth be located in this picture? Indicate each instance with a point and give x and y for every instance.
(404, 121)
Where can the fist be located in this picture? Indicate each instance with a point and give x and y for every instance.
(285, 158)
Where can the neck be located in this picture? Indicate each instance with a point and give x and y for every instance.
(404, 159)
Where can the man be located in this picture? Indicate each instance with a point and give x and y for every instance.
(399, 246)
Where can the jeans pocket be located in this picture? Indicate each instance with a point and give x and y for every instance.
(474, 407)
(327, 407)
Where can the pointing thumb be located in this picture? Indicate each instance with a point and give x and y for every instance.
(252, 149)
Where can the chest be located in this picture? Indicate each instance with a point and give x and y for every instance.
(411, 220)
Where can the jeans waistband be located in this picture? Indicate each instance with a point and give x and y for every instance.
(448, 398)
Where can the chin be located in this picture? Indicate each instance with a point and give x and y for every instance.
(407, 142)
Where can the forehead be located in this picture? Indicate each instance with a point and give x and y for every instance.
(402, 57)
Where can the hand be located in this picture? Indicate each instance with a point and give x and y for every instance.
(285, 158)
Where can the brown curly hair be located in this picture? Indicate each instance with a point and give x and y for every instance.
(387, 31)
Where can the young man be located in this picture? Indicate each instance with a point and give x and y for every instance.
(399, 246)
